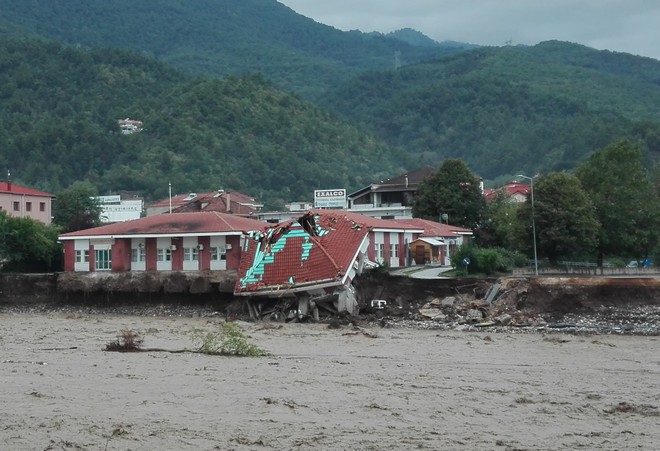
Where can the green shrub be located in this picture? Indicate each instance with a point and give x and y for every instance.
(228, 340)
(486, 261)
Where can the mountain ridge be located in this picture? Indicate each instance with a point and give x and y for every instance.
(397, 106)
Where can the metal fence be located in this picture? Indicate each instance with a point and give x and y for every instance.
(586, 268)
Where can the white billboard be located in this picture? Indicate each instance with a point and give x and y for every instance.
(330, 198)
(126, 210)
(109, 199)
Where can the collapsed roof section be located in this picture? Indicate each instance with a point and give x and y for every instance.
(315, 253)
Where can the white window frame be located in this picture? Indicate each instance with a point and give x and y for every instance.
(102, 264)
(190, 254)
(218, 253)
(138, 255)
(164, 254)
(82, 255)
(380, 251)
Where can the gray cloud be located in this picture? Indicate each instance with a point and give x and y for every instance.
(619, 25)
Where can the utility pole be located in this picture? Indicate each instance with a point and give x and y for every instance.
(536, 261)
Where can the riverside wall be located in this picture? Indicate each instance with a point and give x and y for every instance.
(546, 294)
(108, 288)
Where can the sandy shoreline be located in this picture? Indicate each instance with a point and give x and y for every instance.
(365, 389)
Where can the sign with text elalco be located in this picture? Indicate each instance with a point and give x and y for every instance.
(330, 198)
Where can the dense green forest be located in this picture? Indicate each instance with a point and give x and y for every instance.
(510, 109)
(58, 124)
(219, 37)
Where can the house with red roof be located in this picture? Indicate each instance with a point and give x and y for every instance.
(320, 250)
(316, 253)
(512, 191)
(231, 202)
(316, 256)
(26, 202)
(195, 241)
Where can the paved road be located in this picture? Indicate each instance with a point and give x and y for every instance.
(423, 272)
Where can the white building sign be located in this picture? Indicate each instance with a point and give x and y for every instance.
(109, 199)
(116, 210)
(330, 198)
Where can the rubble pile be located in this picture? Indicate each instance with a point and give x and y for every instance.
(506, 306)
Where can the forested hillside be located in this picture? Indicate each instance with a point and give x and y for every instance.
(218, 37)
(502, 110)
(510, 109)
(59, 108)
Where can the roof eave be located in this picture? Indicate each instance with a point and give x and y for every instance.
(284, 289)
(148, 235)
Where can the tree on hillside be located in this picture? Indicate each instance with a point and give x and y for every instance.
(452, 190)
(624, 200)
(76, 209)
(566, 226)
(27, 245)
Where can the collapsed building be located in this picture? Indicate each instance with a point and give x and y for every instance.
(306, 265)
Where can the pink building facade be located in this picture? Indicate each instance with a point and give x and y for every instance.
(22, 202)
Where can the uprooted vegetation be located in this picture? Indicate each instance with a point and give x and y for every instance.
(127, 341)
(228, 340)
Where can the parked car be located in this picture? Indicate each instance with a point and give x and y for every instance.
(642, 263)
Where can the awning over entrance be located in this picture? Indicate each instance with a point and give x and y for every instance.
(431, 241)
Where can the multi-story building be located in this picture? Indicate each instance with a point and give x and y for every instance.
(25, 202)
(391, 198)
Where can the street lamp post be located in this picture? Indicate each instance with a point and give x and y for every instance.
(531, 184)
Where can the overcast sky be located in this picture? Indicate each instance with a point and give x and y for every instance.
(631, 26)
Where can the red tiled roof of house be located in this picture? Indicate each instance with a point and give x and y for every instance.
(239, 203)
(176, 223)
(9, 187)
(432, 228)
(176, 200)
(510, 189)
(369, 221)
(317, 248)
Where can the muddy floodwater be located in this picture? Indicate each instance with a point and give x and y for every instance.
(345, 389)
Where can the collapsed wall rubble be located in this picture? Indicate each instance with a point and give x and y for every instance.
(590, 305)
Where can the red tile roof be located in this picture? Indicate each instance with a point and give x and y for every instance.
(369, 221)
(510, 189)
(239, 203)
(432, 228)
(11, 188)
(176, 223)
(316, 249)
